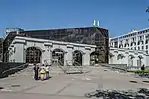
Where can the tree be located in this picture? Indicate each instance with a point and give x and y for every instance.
(147, 10)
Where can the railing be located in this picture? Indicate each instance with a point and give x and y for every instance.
(74, 67)
(116, 66)
(61, 66)
(78, 64)
(68, 68)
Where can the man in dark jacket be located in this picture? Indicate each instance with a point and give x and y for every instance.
(36, 69)
(143, 68)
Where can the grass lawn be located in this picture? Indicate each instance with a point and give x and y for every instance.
(139, 71)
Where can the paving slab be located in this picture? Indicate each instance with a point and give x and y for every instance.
(51, 87)
(72, 86)
(79, 89)
(12, 95)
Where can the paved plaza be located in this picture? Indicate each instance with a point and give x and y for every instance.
(67, 86)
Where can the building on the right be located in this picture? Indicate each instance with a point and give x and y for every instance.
(131, 48)
(135, 40)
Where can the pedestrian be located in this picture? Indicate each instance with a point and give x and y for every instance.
(143, 68)
(36, 68)
(47, 71)
(42, 72)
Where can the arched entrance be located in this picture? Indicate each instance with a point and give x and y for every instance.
(94, 58)
(130, 60)
(58, 57)
(33, 55)
(77, 58)
(120, 58)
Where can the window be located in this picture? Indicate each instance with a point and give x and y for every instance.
(146, 42)
(14, 50)
(146, 46)
(134, 48)
(142, 47)
(131, 44)
(142, 42)
(138, 48)
(138, 43)
(125, 45)
(133, 39)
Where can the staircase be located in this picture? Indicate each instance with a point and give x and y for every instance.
(57, 67)
(74, 69)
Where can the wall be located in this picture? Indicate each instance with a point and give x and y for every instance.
(46, 47)
(114, 52)
(6, 68)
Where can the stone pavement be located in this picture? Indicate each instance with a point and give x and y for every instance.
(64, 86)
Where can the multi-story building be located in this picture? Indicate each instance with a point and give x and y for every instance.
(134, 40)
(131, 48)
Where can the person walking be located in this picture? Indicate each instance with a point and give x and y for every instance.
(36, 68)
(47, 71)
(143, 68)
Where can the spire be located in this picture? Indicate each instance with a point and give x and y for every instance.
(98, 23)
(94, 23)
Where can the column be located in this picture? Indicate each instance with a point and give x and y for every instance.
(127, 58)
(115, 61)
(86, 58)
(135, 61)
(47, 55)
(68, 58)
(19, 51)
(147, 60)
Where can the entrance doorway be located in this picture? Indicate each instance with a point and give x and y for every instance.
(58, 57)
(77, 58)
(33, 55)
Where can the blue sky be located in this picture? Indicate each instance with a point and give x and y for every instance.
(119, 16)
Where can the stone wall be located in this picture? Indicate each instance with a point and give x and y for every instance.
(7, 69)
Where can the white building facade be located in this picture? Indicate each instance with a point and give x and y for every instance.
(131, 48)
(135, 40)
